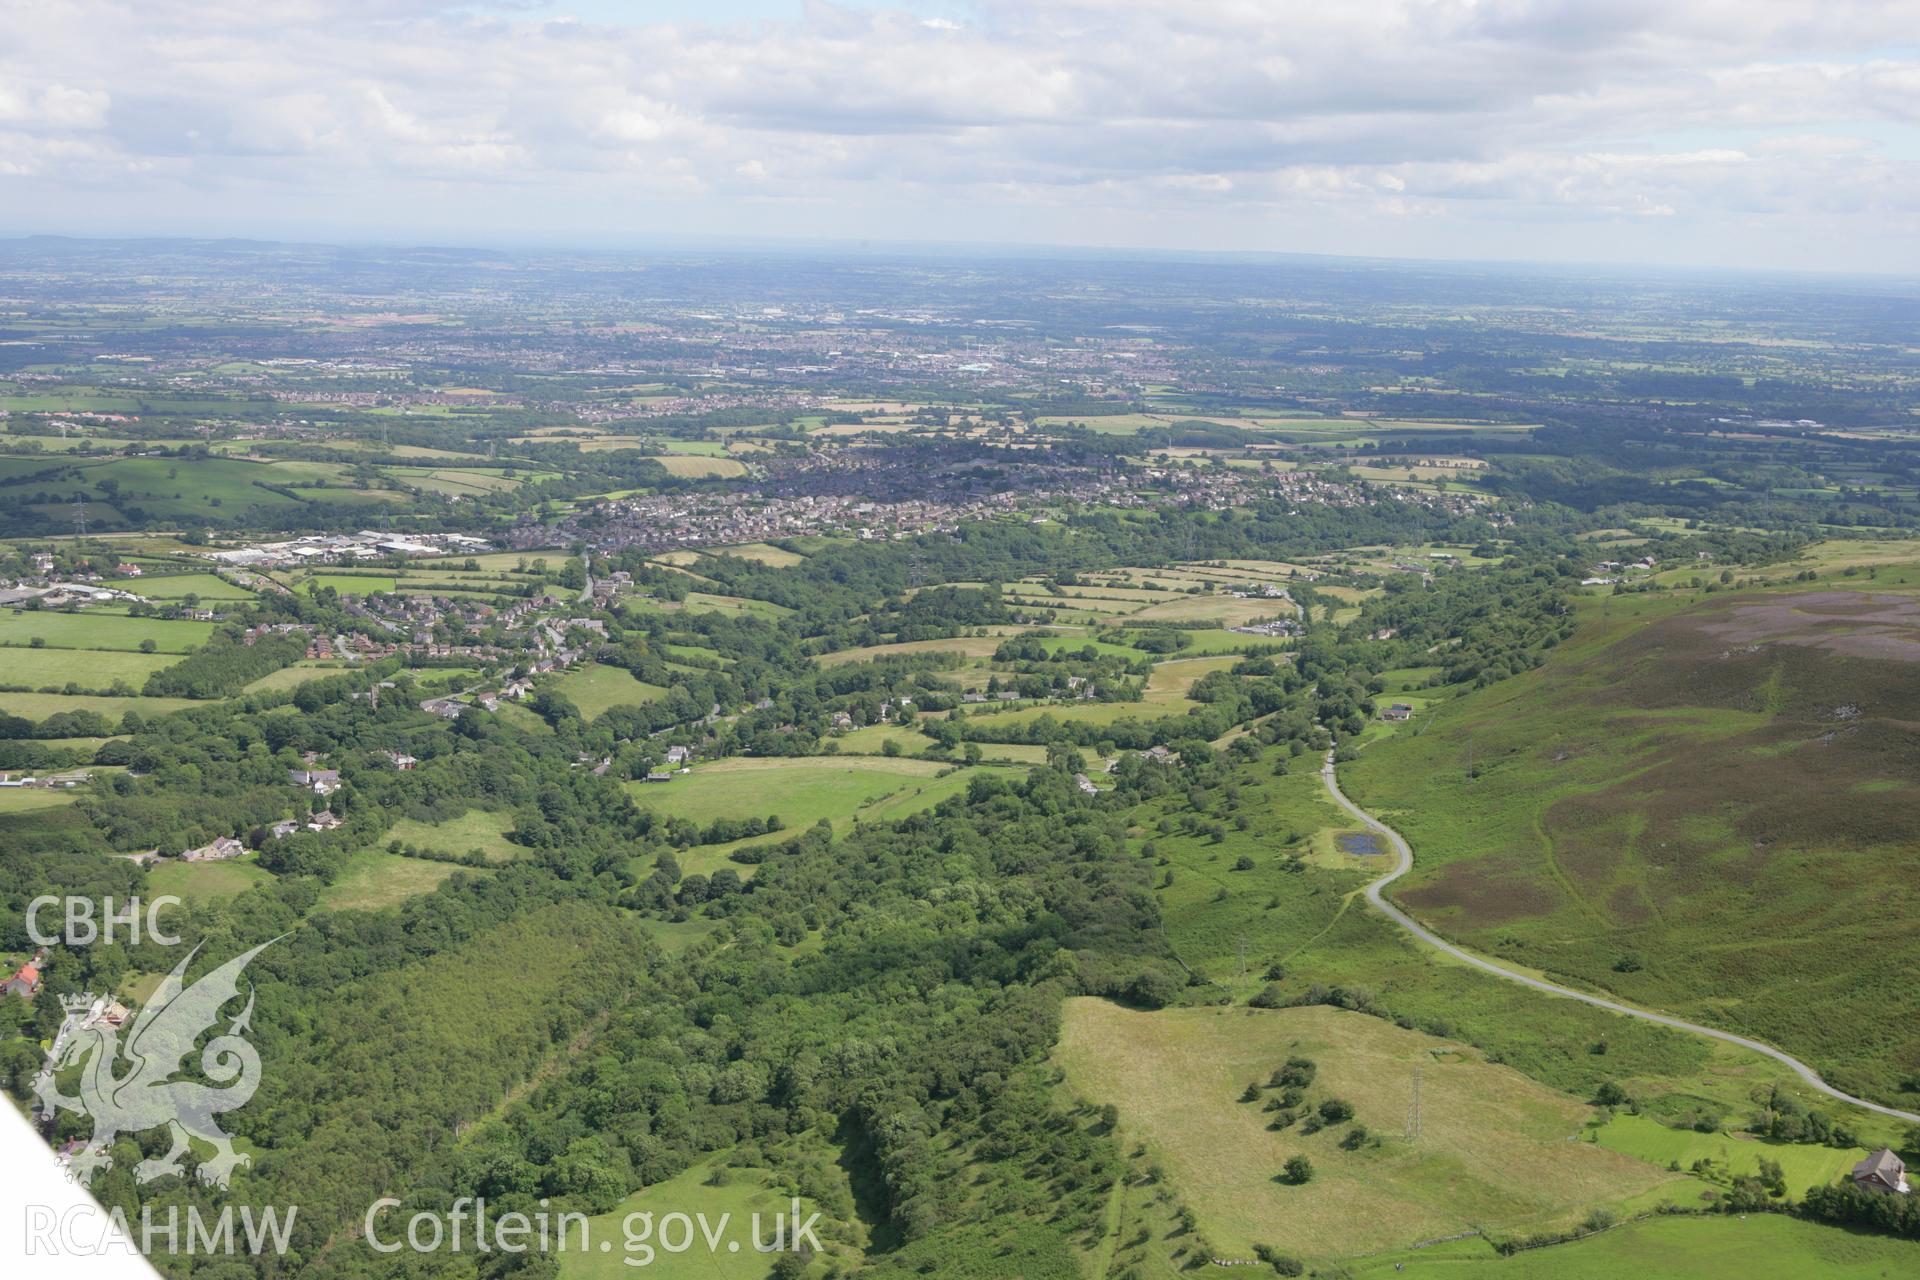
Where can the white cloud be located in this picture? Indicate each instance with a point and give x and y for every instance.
(1246, 123)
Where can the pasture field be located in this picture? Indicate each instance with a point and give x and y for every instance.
(801, 789)
(870, 739)
(475, 829)
(1739, 1155)
(96, 630)
(373, 880)
(596, 689)
(204, 881)
(695, 465)
(296, 675)
(966, 646)
(38, 706)
(763, 552)
(32, 799)
(1720, 1247)
(90, 668)
(1491, 1151)
(176, 586)
(349, 584)
(1166, 694)
(1669, 809)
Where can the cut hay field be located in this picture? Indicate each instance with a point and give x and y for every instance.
(801, 790)
(1492, 1151)
(1673, 809)
(597, 689)
(694, 465)
(96, 630)
(296, 675)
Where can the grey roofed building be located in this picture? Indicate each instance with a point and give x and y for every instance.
(1882, 1171)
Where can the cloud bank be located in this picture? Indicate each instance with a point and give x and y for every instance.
(1761, 133)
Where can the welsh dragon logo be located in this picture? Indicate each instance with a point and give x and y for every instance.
(144, 1097)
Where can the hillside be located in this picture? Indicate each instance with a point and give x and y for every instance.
(1706, 807)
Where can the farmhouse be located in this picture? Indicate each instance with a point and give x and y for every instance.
(222, 848)
(1882, 1171)
(24, 983)
(324, 781)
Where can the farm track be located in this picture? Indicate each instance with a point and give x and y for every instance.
(1404, 863)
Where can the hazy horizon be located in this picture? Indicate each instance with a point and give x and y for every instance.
(1700, 133)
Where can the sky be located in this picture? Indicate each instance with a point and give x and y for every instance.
(1779, 134)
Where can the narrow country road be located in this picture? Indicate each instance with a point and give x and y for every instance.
(1403, 853)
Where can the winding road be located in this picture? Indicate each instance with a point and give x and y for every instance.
(1404, 863)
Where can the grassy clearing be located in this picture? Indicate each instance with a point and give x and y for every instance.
(1736, 1156)
(871, 739)
(475, 829)
(801, 790)
(31, 799)
(1492, 1151)
(710, 1188)
(597, 689)
(96, 630)
(204, 881)
(374, 880)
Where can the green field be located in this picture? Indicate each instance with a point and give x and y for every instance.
(1670, 809)
(1492, 1151)
(596, 689)
(296, 675)
(373, 880)
(93, 629)
(204, 881)
(1762, 1246)
(175, 586)
(475, 829)
(29, 799)
(1735, 1155)
(801, 790)
(349, 584)
(89, 668)
(871, 739)
(710, 1188)
(38, 706)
